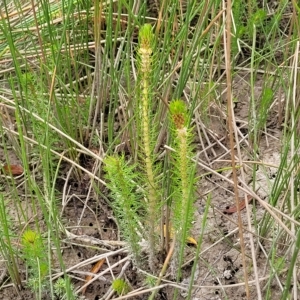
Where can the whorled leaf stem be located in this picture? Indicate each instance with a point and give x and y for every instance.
(126, 203)
(145, 64)
(183, 179)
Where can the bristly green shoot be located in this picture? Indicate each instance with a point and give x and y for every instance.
(126, 201)
(183, 178)
(146, 40)
(34, 254)
(148, 135)
(64, 289)
(120, 286)
(178, 113)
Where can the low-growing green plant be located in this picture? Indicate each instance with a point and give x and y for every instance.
(126, 201)
(150, 281)
(63, 289)
(121, 287)
(33, 252)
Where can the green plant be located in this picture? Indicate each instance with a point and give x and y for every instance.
(150, 281)
(126, 201)
(183, 179)
(120, 286)
(122, 177)
(33, 252)
(63, 289)
(148, 135)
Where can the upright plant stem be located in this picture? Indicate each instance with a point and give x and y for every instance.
(184, 178)
(122, 184)
(145, 52)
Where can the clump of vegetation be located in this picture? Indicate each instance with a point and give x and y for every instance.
(121, 287)
(126, 201)
(133, 208)
(63, 290)
(33, 250)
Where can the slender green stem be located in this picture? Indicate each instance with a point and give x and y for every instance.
(183, 177)
(145, 52)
